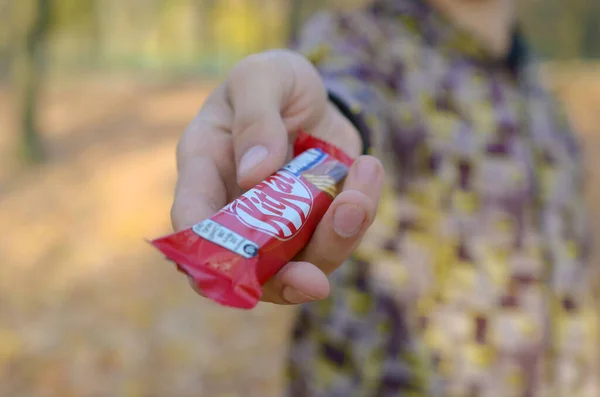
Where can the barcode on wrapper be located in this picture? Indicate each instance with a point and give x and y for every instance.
(228, 239)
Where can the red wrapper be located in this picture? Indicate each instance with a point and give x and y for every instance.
(232, 254)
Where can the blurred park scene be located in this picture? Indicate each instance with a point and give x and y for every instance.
(93, 97)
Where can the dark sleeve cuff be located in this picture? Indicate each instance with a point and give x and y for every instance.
(355, 118)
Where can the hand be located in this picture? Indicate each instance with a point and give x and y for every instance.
(244, 133)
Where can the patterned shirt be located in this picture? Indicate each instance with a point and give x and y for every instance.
(473, 280)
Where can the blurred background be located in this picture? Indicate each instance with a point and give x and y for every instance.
(93, 96)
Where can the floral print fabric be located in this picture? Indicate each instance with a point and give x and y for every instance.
(473, 279)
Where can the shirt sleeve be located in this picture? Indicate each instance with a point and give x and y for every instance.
(343, 48)
(574, 335)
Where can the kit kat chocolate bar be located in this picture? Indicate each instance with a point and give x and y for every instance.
(232, 254)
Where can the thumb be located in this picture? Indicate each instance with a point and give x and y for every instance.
(260, 89)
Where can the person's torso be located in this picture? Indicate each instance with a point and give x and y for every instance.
(481, 231)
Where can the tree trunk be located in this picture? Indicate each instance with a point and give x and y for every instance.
(32, 20)
(294, 19)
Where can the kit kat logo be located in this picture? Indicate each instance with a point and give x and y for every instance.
(279, 206)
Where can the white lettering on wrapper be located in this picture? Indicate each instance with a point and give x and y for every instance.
(222, 236)
(279, 206)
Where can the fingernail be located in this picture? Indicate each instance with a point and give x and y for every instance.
(348, 219)
(366, 171)
(292, 295)
(254, 156)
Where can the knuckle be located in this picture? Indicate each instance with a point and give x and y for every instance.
(327, 260)
(264, 65)
(196, 141)
(243, 128)
(288, 56)
(252, 66)
(191, 140)
(186, 146)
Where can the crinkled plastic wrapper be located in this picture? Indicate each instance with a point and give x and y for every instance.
(232, 254)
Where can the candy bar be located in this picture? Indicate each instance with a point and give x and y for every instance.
(232, 254)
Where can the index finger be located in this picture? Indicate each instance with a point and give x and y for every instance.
(205, 164)
(200, 192)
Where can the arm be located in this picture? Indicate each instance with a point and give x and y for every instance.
(575, 304)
